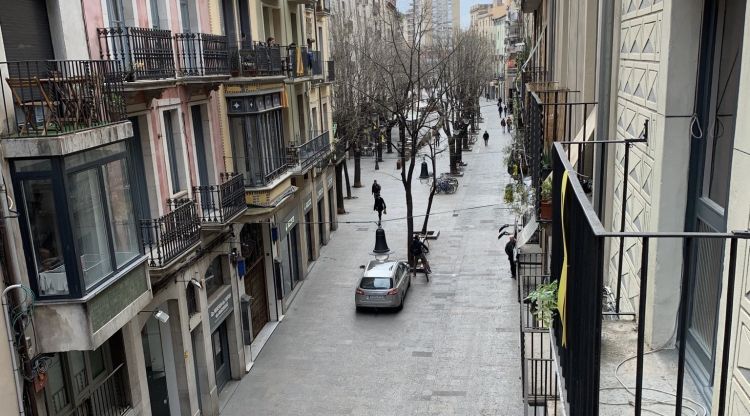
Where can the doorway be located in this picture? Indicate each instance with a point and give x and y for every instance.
(160, 370)
(310, 239)
(710, 168)
(251, 239)
(321, 223)
(220, 345)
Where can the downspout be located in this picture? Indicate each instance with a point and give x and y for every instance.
(15, 280)
(603, 97)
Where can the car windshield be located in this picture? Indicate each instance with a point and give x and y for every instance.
(375, 283)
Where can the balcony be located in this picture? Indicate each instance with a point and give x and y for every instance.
(108, 397)
(323, 7)
(220, 204)
(304, 156)
(254, 59)
(200, 54)
(302, 62)
(143, 53)
(172, 235)
(59, 98)
(602, 358)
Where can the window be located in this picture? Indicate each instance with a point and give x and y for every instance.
(74, 251)
(214, 276)
(258, 142)
(172, 136)
(376, 283)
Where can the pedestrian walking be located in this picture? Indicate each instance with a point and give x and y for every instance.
(379, 207)
(510, 124)
(500, 110)
(505, 110)
(510, 247)
(502, 123)
(486, 137)
(418, 250)
(375, 189)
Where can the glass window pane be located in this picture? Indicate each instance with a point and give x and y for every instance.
(121, 215)
(56, 391)
(93, 155)
(218, 355)
(33, 165)
(77, 366)
(96, 358)
(89, 225)
(40, 210)
(214, 277)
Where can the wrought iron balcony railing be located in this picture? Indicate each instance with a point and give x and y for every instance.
(49, 98)
(218, 204)
(170, 235)
(301, 61)
(579, 263)
(143, 53)
(311, 151)
(254, 59)
(201, 54)
(108, 397)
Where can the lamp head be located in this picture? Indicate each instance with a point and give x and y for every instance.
(162, 316)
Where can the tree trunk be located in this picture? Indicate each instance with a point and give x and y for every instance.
(453, 156)
(348, 186)
(380, 150)
(339, 190)
(357, 167)
(389, 144)
(429, 199)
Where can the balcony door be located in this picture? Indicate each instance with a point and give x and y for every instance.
(710, 168)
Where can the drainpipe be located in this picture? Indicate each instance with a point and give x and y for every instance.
(15, 280)
(603, 97)
(11, 348)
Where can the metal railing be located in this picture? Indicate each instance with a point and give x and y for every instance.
(301, 61)
(578, 241)
(143, 53)
(306, 154)
(551, 116)
(108, 398)
(219, 203)
(201, 54)
(49, 98)
(168, 236)
(253, 59)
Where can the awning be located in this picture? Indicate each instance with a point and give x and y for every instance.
(527, 232)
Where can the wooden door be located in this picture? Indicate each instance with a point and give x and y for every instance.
(255, 285)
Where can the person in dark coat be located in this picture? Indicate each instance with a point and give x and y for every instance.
(418, 250)
(375, 188)
(509, 249)
(502, 123)
(486, 137)
(379, 207)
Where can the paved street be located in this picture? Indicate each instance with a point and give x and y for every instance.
(452, 350)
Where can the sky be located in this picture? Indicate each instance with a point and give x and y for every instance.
(465, 6)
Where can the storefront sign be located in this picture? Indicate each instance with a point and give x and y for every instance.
(289, 224)
(320, 192)
(245, 88)
(330, 181)
(220, 309)
(308, 203)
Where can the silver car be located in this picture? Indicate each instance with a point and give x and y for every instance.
(383, 285)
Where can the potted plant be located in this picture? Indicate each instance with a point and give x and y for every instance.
(543, 301)
(508, 197)
(545, 200)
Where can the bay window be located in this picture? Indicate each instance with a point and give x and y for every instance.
(77, 219)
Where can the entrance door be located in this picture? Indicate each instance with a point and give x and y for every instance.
(138, 171)
(159, 370)
(221, 355)
(330, 209)
(321, 223)
(710, 164)
(310, 239)
(293, 241)
(255, 286)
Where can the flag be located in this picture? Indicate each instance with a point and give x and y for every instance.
(562, 286)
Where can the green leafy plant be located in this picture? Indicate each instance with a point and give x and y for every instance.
(546, 191)
(546, 160)
(508, 197)
(543, 302)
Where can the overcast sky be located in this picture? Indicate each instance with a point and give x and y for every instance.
(403, 5)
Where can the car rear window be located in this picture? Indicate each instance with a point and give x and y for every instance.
(375, 283)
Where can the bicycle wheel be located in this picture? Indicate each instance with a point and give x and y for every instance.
(452, 188)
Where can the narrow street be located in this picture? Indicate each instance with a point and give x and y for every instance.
(452, 350)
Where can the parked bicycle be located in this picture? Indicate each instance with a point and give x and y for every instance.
(446, 184)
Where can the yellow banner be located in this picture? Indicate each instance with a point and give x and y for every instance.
(562, 286)
(300, 65)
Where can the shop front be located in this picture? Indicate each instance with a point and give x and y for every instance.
(309, 229)
(218, 311)
(289, 253)
(320, 193)
(331, 202)
(251, 241)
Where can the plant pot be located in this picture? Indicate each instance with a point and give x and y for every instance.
(545, 210)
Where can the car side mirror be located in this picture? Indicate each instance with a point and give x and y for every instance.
(362, 266)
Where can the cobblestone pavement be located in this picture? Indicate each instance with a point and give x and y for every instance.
(452, 350)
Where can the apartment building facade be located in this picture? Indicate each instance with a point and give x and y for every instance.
(169, 166)
(655, 88)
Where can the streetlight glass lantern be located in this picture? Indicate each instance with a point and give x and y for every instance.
(381, 250)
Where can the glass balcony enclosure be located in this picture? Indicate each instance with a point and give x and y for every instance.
(77, 219)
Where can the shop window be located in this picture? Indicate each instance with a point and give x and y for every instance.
(77, 250)
(214, 276)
